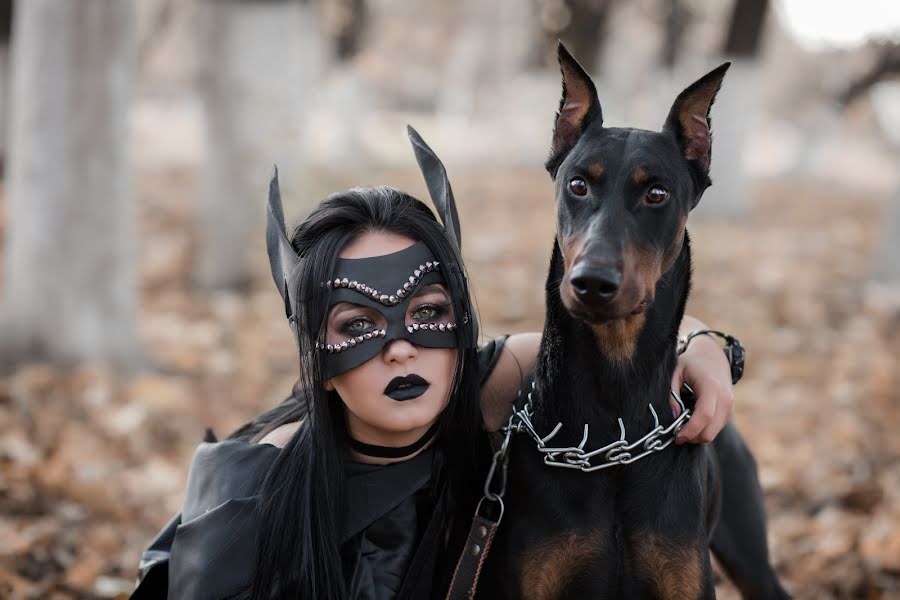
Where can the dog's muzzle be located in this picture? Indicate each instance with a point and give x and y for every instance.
(595, 285)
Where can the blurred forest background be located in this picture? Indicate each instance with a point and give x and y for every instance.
(137, 137)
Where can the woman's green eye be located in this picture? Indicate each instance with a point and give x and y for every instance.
(358, 325)
(425, 312)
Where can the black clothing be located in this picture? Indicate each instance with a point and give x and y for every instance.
(393, 526)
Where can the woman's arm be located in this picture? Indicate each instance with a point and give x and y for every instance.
(703, 366)
(500, 388)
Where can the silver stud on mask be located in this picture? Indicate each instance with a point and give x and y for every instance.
(386, 299)
(351, 343)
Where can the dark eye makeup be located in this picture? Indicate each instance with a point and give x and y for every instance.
(356, 325)
(430, 311)
(430, 305)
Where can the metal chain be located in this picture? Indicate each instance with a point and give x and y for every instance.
(619, 452)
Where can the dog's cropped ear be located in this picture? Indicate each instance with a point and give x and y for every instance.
(578, 108)
(689, 121)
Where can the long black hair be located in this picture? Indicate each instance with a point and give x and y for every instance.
(300, 512)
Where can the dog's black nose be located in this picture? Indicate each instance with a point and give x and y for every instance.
(594, 285)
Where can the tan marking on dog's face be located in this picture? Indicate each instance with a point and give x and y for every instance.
(595, 171)
(548, 567)
(618, 338)
(571, 249)
(672, 570)
(640, 176)
(648, 265)
(674, 250)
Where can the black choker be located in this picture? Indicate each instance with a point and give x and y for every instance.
(391, 451)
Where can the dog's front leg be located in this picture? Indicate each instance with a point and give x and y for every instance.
(666, 530)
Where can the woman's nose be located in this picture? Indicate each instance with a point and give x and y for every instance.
(399, 351)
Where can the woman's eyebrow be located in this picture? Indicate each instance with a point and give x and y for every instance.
(434, 288)
(343, 307)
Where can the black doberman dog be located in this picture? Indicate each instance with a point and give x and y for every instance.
(618, 284)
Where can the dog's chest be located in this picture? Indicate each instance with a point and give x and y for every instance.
(631, 528)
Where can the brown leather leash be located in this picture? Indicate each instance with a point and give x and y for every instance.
(484, 528)
(471, 561)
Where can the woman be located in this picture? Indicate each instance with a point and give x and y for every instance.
(372, 496)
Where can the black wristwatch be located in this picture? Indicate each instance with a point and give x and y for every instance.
(734, 350)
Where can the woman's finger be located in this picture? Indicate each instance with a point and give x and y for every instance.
(717, 423)
(703, 413)
(677, 380)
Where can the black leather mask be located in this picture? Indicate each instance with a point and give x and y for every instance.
(387, 284)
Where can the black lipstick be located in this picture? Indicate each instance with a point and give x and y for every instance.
(406, 387)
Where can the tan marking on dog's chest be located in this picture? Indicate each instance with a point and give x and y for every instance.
(673, 570)
(618, 339)
(547, 567)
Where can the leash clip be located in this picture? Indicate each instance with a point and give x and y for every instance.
(500, 459)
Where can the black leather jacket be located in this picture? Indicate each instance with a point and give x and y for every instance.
(394, 527)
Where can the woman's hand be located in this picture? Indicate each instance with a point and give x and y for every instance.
(705, 368)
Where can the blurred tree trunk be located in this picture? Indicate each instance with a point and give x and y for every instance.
(887, 264)
(516, 41)
(745, 28)
(887, 65)
(70, 276)
(737, 109)
(586, 30)
(580, 24)
(5, 32)
(676, 19)
(346, 22)
(468, 59)
(252, 59)
(494, 43)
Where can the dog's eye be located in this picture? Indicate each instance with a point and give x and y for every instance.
(578, 186)
(657, 194)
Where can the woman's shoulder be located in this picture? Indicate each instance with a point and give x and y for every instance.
(281, 435)
(222, 471)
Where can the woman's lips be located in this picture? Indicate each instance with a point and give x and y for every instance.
(406, 387)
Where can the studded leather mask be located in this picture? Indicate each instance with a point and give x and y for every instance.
(387, 284)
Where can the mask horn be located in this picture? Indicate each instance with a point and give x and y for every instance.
(437, 183)
(282, 258)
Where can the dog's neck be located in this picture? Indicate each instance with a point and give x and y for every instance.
(582, 378)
